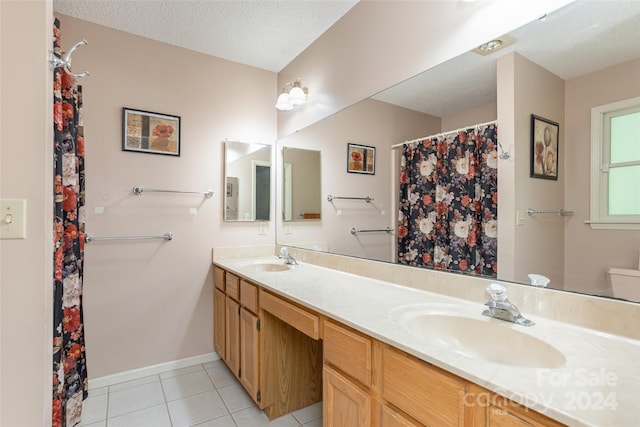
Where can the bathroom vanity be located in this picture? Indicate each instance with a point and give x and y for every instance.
(295, 335)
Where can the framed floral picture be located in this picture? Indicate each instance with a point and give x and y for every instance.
(148, 132)
(544, 148)
(361, 159)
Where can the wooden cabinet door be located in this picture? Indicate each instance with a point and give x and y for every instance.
(218, 322)
(249, 354)
(344, 403)
(497, 417)
(391, 418)
(504, 413)
(232, 336)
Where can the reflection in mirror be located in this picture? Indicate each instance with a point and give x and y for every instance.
(301, 179)
(595, 61)
(247, 185)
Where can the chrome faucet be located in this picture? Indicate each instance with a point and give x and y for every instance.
(286, 256)
(501, 308)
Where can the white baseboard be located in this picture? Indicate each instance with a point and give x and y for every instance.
(146, 371)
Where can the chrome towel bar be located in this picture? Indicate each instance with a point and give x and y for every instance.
(560, 212)
(366, 198)
(139, 190)
(91, 238)
(387, 230)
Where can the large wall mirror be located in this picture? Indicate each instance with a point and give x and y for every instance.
(579, 57)
(247, 184)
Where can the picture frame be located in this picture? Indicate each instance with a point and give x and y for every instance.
(149, 132)
(361, 159)
(544, 148)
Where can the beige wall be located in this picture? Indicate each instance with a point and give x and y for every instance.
(372, 123)
(482, 114)
(26, 166)
(149, 302)
(524, 88)
(306, 190)
(356, 58)
(564, 249)
(588, 253)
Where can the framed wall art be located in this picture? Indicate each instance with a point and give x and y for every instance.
(544, 148)
(361, 159)
(148, 132)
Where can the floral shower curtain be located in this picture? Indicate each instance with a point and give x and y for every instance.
(449, 202)
(69, 364)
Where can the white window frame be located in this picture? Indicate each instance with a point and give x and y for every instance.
(599, 212)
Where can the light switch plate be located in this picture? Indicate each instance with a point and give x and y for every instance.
(13, 219)
(520, 217)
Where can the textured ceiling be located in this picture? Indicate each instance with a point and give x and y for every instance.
(263, 34)
(583, 37)
(578, 39)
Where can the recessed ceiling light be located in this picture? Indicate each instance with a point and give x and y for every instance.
(491, 46)
(494, 45)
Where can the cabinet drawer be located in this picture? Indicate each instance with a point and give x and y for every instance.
(232, 283)
(349, 351)
(297, 317)
(249, 296)
(218, 278)
(431, 396)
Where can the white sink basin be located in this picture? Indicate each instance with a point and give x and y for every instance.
(272, 267)
(484, 339)
(269, 265)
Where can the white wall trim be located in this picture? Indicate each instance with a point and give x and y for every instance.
(146, 371)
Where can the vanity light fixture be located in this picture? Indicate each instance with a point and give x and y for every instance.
(292, 96)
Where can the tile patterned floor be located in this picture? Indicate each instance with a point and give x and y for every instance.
(205, 395)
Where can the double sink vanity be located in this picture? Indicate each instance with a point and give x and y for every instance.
(379, 353)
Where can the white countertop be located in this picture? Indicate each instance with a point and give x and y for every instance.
(598, 385)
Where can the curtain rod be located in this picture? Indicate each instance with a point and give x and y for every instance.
(435, 135)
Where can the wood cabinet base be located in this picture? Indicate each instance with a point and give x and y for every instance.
(291, 368)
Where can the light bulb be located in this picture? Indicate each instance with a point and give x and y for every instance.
(282, 103)
(297, 95)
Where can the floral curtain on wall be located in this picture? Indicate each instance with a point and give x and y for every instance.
(449, 203)
(69, 364)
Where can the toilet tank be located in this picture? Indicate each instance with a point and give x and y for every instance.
(625, 283)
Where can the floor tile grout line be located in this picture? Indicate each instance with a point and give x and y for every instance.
(166, 403)
(129, 388)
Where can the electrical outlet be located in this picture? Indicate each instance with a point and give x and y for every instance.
(262, 228)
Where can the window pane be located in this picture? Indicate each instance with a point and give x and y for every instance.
(624, 190)
(625, 138)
